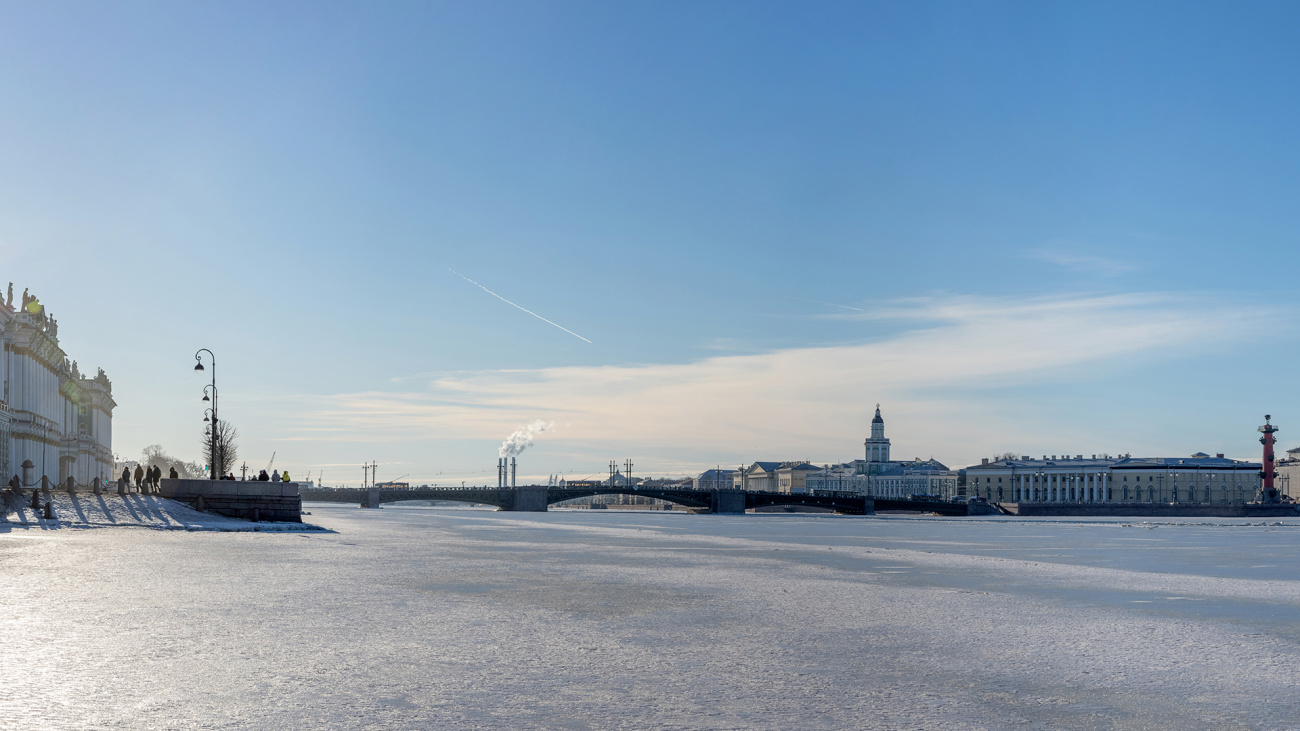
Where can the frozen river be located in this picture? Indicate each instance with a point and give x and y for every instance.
(408, 618)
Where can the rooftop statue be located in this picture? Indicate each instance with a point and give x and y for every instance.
(10, 303)
(27, 298)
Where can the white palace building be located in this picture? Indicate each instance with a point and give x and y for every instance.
(879, 476)
(54, 422)
(1199, 478)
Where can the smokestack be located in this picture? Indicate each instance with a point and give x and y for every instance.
(513, 465)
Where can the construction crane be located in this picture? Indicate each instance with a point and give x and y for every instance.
(271, 463)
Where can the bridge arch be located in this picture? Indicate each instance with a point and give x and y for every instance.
(688, 499)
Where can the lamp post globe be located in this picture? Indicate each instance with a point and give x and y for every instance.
(214, 445)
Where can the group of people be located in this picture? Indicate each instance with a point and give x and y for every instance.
(261, 476)
(147, 480)
(273, 477)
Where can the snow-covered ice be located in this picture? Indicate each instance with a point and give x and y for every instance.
(84, 510)
(421, 618)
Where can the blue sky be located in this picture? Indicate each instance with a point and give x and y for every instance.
(1020, 226)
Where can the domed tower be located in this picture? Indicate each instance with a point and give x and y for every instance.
(877, 445)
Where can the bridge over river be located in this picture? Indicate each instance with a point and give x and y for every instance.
(536, 498)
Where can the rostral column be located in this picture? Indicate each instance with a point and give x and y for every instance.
(1269, 493)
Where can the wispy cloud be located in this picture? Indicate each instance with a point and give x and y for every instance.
(1082, 262)
(789, 402)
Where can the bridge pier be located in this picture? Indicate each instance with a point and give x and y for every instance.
(526, 499)
(372, 498)
(728, 502)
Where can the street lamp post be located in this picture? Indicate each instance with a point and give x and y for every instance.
(212, 452)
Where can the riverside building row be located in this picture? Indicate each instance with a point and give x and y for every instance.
(1200, 478)
(54, 421)
(875, 475)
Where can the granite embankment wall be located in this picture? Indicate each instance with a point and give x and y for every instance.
(1155, 510)
(274, 501)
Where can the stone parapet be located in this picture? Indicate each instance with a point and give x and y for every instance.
(1158, 510)
(273, 501)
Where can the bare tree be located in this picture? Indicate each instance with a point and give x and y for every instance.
(223, 450)
(1004, 457)
(154, 454)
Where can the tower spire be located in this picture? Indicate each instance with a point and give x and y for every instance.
(877, 445)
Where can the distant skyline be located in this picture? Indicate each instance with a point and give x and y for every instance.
(727, 230)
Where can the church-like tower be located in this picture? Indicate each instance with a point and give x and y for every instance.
(877, 445)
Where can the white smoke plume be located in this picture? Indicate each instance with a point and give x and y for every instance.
(523, 438)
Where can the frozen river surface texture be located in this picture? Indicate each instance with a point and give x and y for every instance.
(420, 619)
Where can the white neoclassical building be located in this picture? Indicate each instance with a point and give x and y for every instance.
(1199, 478)
(879, 476)
(51, 416)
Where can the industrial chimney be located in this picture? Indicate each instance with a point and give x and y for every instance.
(513, 465)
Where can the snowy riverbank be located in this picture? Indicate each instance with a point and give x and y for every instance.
(138, 511)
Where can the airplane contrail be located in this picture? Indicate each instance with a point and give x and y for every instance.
(819, 302)
(512, 304)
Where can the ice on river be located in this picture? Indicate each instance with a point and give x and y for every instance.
(423, 618)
